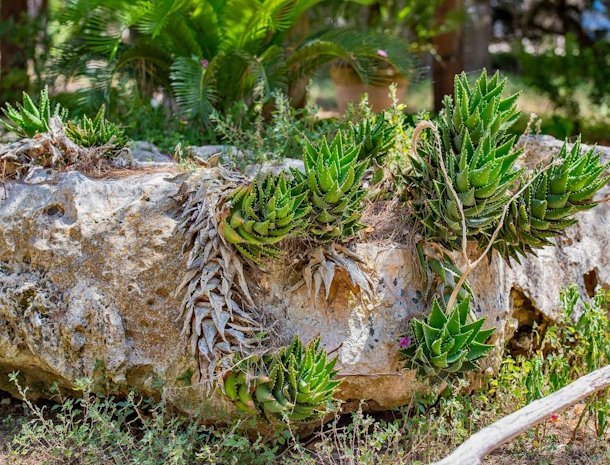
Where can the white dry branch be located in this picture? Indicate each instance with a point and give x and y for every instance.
(474, 449)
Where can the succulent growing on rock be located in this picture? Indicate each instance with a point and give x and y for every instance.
(218, 312)
(262, 214)
(296, 384)
(547, 206)
(96, 132)
(333, 177)
(443, 345)
(446, 274)
(29, 119)
(478, 155)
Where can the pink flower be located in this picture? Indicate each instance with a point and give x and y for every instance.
(554, 417)
(405, 342)
(382, 53)
(204, 63)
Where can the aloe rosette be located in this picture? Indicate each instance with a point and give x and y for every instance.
(28, 119)
(375, 138)
(547, 206)
(446, 344)
(95, 132)
(262, 214)
(295, 384)
(333, 179)
(479, 156)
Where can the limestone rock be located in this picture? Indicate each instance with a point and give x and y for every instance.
(88, 270)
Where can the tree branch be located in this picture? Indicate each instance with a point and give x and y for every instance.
(474, 449)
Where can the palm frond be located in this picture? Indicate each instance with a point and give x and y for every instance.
(156, 15)
(369, 54)
(268, 71)
(194, 86)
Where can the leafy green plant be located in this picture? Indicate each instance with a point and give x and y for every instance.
(29, 118)
(210, 54)
(478, 155)
(576, 344)
(333, 176)
(259, 137)
(296, 384)
(445, 344)
(264, 213)
(96, 132)
(96, 428)
(566, 77)
(547, 206)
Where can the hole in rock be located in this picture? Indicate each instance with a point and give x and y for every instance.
(591, 282)
(54, 210)
(529, 318)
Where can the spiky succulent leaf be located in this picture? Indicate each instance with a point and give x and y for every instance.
(548, 205)
(96, 132)
(296, 383)
(333, 177)
(29, 119)
(445, 274)
(263, 214)
(374, 137)
(478, 154)
(444, 344)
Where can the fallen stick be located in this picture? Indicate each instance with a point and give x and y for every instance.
(474, 449)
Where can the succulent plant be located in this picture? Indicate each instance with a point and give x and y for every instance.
(29, 119)
(218, 314)
(478, 154)
(547, 206)
(297, 383)
(446, 273)
(262, 214)
(374, 137)
(333, 178)
(443, 345)
(96, 132)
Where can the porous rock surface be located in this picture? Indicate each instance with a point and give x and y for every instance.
(88, 270)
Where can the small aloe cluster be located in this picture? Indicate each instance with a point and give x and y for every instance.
(375, 138)
(324, 203)
(333, 178)
(264, 213)
(28, 119)
(96, 132)
(548, 204)
(295, 384)
(478, 154)
(445, 344)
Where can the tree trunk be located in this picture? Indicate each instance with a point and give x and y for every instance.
(448, 63)
(13, 59)
(476, 35)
